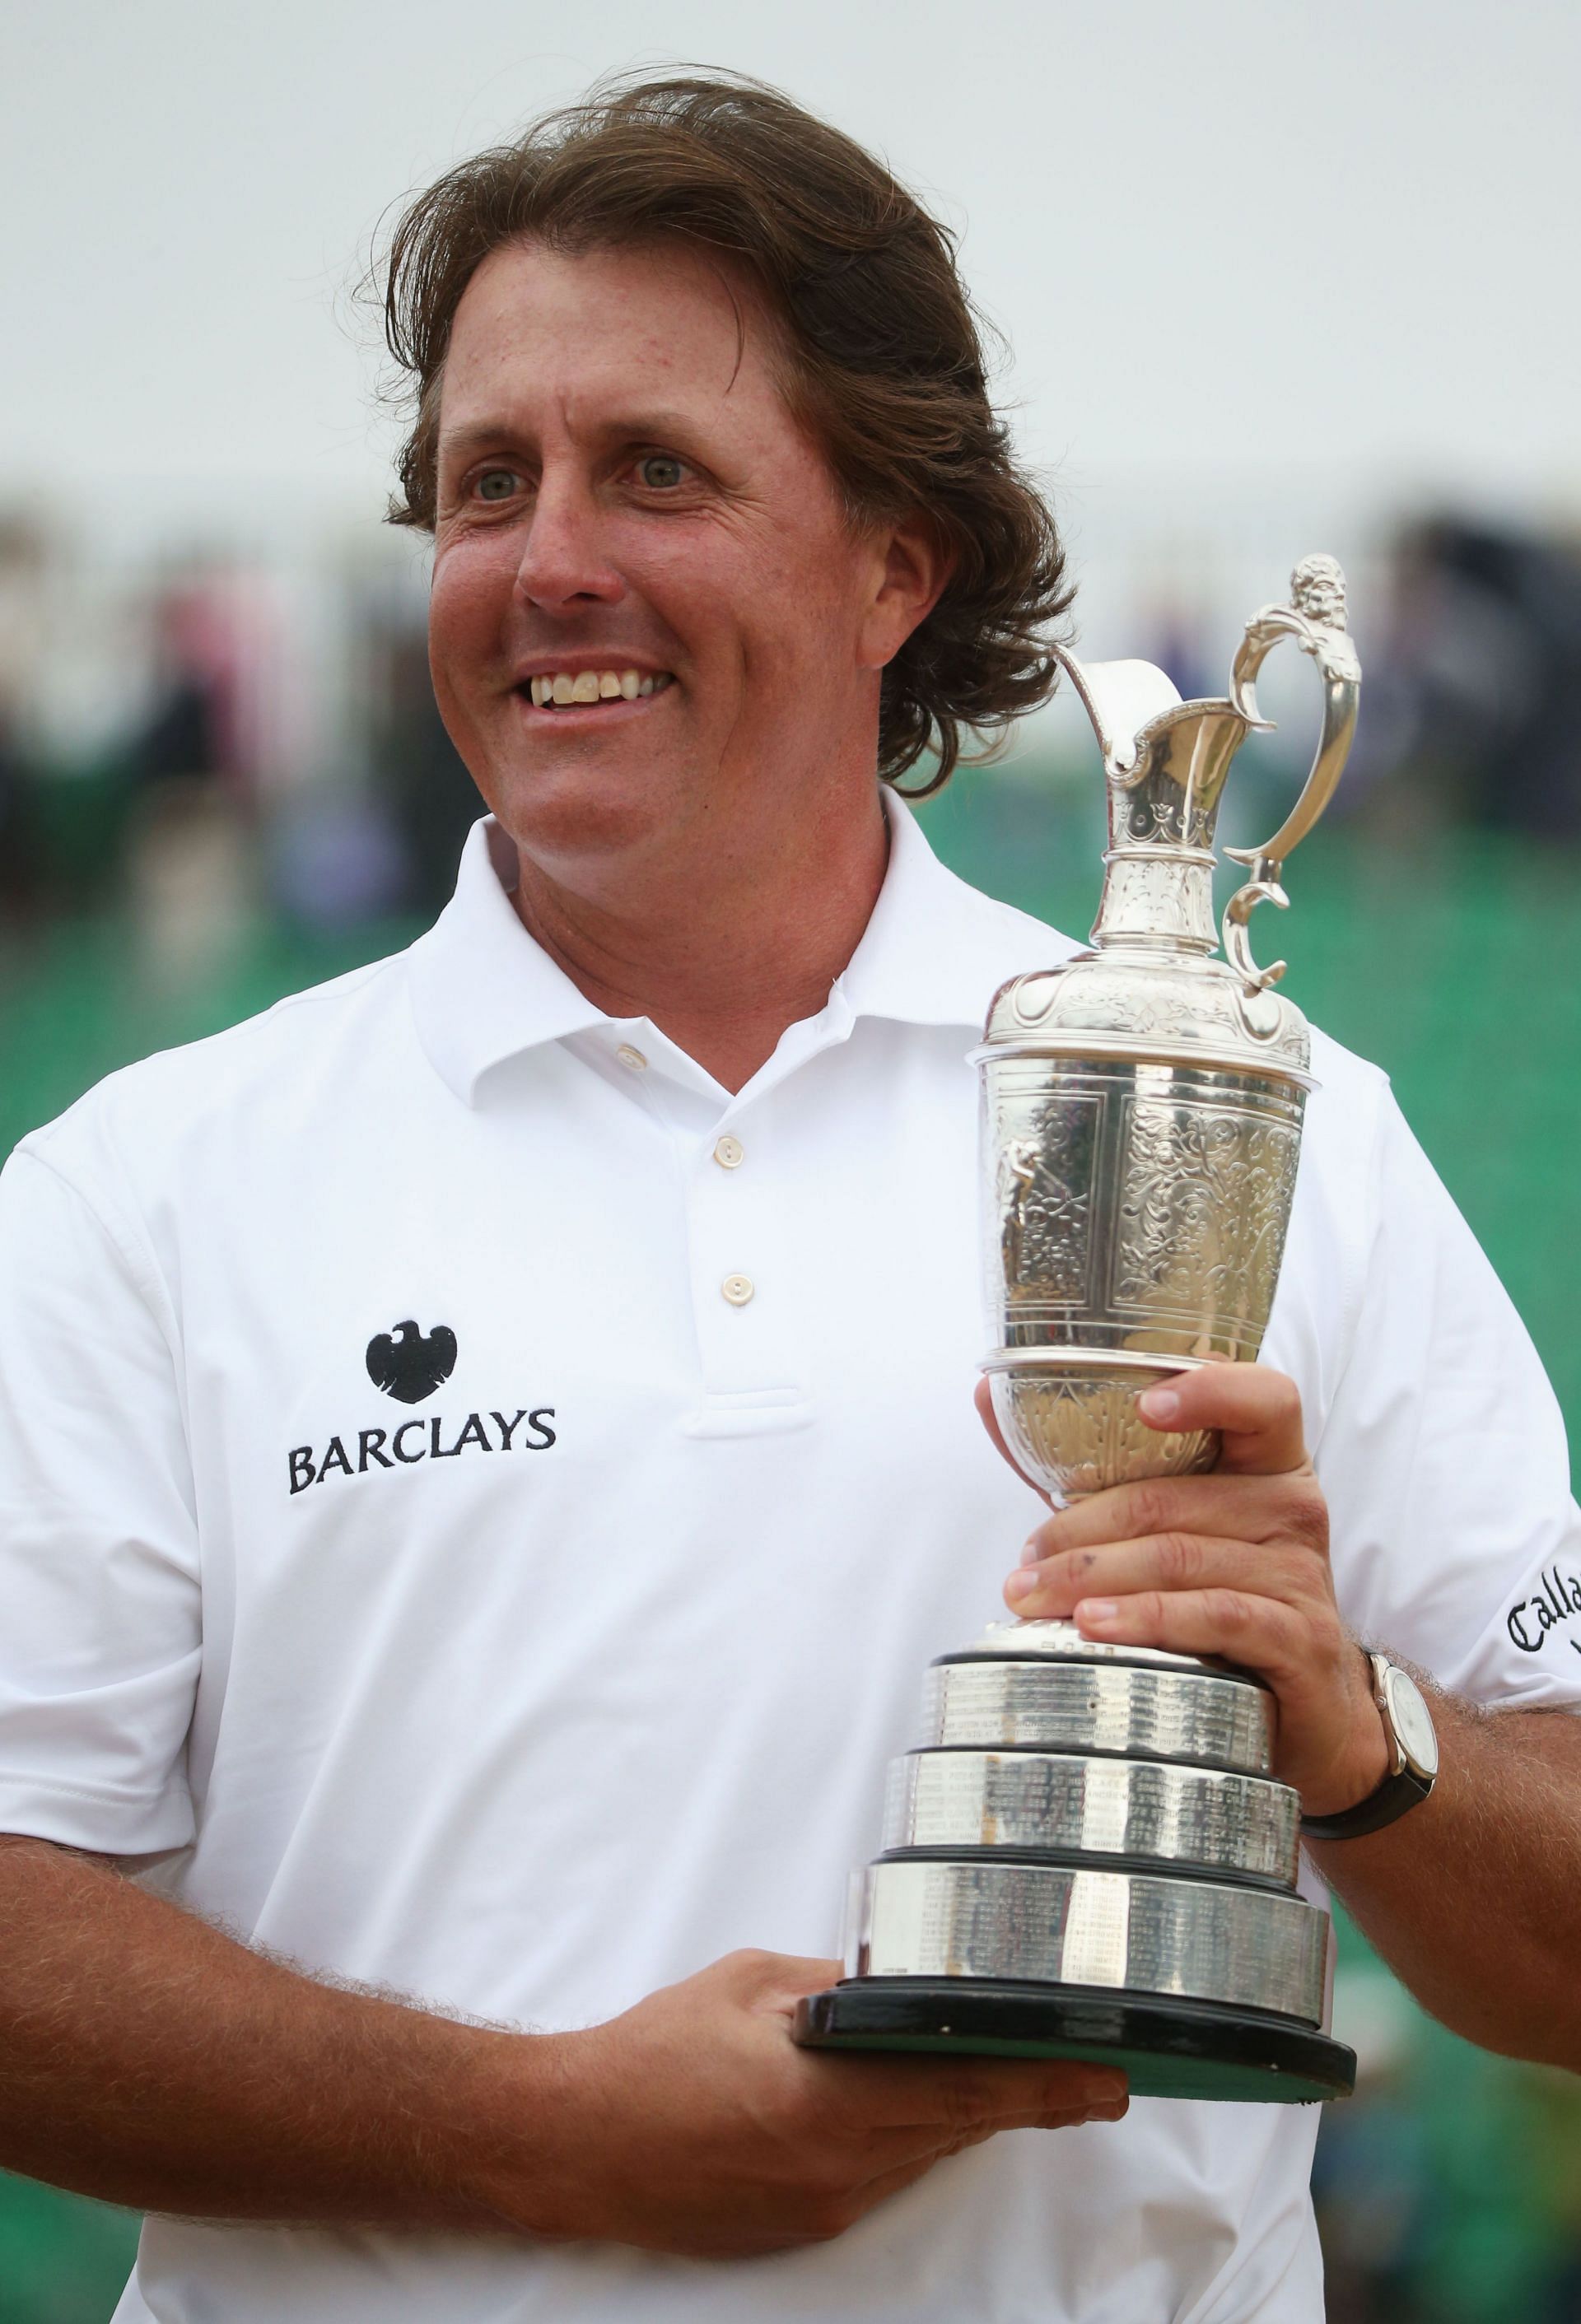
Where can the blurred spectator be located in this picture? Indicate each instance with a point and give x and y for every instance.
(1173, 640)
(418, 770)
(23, 562)
(1474, 690)
(193, 761)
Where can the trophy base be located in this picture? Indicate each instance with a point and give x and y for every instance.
(1169, 2049)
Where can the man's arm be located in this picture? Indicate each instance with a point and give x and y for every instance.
(1474, 1897)
(149, 2060)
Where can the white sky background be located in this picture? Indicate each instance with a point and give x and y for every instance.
(1270, 264)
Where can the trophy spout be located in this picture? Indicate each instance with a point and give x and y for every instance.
(1166, 762)
(1158, 885)
(1120, 699)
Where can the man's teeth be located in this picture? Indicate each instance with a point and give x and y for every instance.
(595, 686)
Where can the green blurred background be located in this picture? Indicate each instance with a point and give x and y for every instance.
(1449, 2189)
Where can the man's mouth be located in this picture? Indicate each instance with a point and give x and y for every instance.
(564, 690)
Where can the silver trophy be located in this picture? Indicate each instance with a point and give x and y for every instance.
(1086, 1854)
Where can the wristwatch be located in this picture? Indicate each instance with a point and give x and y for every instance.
(1413, 1759)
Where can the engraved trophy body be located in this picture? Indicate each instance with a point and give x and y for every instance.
(1086, 1855)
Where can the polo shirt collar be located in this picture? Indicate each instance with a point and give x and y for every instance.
(483, 990)
(936, 951)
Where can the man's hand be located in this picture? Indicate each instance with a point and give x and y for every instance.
(149, 2060)
(694, 2125)
(1233, 1563)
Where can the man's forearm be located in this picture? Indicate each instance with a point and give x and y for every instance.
(147, 2059)
(1474, 1898)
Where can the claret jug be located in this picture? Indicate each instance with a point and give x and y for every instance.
(1087, 1853)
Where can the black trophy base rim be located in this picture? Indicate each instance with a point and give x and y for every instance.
(1167, 2049)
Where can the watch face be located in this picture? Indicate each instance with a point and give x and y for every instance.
(1413, 1724)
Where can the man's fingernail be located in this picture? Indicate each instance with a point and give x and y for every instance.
(1159, 1404)
(1113, 2112)
(1021, 1582)
(1110, 2091)
(1098, 1611)
(1032, 1550)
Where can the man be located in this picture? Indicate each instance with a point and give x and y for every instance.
(486, 1446)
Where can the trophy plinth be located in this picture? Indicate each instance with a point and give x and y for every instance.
(1086, 1855)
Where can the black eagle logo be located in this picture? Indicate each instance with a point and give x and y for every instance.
(408, 1365)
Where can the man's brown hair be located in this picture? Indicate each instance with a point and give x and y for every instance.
(883, 355)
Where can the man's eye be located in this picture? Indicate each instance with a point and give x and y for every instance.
(660, 472)
(497, 483)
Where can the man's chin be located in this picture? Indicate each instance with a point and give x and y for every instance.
(557, 813)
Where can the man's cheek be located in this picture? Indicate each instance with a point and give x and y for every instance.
(469, 596)
(466, 647)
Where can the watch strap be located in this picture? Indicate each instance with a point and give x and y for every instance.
(1403, 1788)
(1393, 1798)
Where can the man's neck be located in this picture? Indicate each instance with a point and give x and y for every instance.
(722, 965)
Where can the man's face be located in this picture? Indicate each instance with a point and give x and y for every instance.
(623, 489)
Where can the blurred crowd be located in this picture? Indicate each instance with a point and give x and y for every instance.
(204, 738)
(1474, 687)
(209, 739)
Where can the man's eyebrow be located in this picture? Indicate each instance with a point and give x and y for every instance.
(657, 426)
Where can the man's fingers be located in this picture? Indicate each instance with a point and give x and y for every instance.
(1260, 1632)
(1053, 1589)
(1289, 1507)
(891, 2181)
(886, 2091)
(970, 2097)
(1257, 1413)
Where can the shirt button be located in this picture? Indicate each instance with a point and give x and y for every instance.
(729, 1152)
(737, 1289)
(632, 1058)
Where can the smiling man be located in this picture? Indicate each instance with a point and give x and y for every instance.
(486, 1448)
(652, 621)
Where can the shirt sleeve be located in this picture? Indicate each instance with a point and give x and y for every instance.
(100, 1632)
(1456, 1540)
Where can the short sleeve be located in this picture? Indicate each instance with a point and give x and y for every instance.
(1456, 1540)
(100, 1630)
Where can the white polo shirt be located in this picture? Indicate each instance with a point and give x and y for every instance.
(483, 1499)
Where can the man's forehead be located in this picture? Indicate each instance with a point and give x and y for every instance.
(660, 328)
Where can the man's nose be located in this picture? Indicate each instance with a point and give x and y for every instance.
(565, 562)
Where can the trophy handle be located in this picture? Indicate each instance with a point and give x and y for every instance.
(1316, 621)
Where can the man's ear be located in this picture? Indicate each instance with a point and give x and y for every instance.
(912, 568)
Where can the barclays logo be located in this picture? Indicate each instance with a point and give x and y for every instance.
(409, 1364)
(353, 1454)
